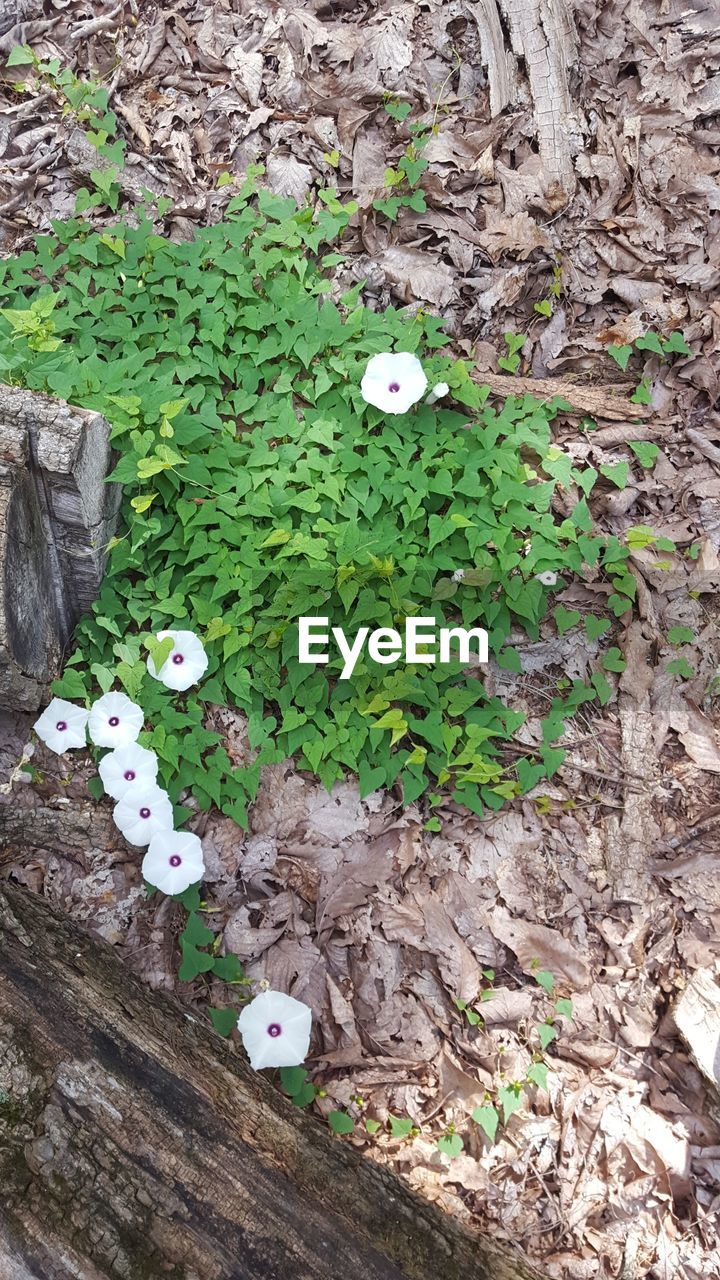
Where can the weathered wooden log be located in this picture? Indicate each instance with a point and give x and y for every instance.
(57, 515)
(136, 1143)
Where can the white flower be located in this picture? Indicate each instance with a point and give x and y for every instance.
(127, 769)
(439, 390)
(174, 861)
(114, 720)
(458, 575)
(141, 814)
(186, 664)
(62, 725)
(548, 578)
(275, 1030)
(393, 382)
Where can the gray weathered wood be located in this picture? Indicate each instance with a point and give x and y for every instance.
(135, 1143)
(56, 516)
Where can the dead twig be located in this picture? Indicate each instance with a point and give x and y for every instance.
(598, 402)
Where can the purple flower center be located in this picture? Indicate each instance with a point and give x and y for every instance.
(61, 725)
(176, 860)
(177, 659)
(394, 386)
(114, 721)
(274, 1030)
(144, 813)
(129, 775)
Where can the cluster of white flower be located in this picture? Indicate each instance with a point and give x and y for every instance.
(128, 772)
(275, 1028)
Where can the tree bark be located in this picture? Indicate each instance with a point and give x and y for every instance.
(136, 1143)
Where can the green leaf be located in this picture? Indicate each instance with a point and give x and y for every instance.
(510, 1099)
(602, 688)
(596, 627)
(645, 452)
(488, 1119)
(20, 55)
(196, 932)
(621, 355)
(159, 650)
(340, 1122)
(398, 110)
(223, 1020)
(650, 342)
(618, 473)
(613, 660)
(450, 1144)
(228, 968)
(546, 980)
(537, 1074)
(681, 635)
(552, 758)
(96, 788)
(292, 1079)
(400, 1126)
(546, 1034)
(680, 667)
(194, 962)
(565, 618)
(676, 344)
(642, 393)
(564, 1007)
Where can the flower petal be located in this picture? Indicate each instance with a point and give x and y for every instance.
(114, 720)
(288, 1047)
(141, 814)
(62, 726)
(186, 664)
(128, 768)
(167, 847)
(393, 381)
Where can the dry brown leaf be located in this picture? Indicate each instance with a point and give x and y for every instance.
(536, 946)
(288, 177)
(417, 274)
(517, 236)
(247, 69)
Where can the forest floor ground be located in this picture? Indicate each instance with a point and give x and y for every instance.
(607, 877)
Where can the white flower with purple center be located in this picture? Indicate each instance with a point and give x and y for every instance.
(62, 726)
(128, 769)
(547, 578)
(186, 664)
(275, 1030)
(114, 720)
(141, 814)
(174, 861)
(393, 381)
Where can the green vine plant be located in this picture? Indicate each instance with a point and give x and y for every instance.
(401, 183)
(498, 1105)
(652, 342)
(507, 1098)
(402, 189)
(260, 486)
(88, 103)
(546, 306)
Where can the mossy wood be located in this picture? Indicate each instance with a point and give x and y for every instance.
(136, 1143)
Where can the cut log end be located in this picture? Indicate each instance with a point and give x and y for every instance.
(57, 515)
